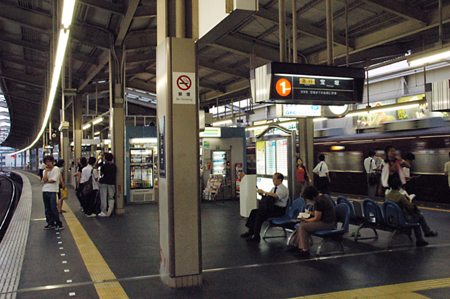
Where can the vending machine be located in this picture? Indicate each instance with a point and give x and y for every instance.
(142, 157)
(221, 168)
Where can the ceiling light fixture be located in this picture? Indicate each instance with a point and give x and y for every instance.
(430, 57)
(68, 8)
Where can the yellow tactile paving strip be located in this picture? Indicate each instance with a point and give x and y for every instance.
(395, 291)
(95, 264)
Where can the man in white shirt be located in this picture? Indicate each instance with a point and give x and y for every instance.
(257, 216)
(89, 200)
(372, 179)
(51, 180)
(324, 181)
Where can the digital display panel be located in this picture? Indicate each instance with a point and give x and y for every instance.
(293, 83)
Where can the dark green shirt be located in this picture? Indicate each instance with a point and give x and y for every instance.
(405, 205)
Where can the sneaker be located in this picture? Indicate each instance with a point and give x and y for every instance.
(92, 215)
(431, 234)
(59, 227)
(421, 243)
(102, 215)
(49, 226)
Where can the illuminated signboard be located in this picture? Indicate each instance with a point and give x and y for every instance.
(293, 83)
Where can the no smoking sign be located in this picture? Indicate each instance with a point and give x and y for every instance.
(183, 88)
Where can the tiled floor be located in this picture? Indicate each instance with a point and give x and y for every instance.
(125, 248)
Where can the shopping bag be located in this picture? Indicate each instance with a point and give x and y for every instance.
(63, 193)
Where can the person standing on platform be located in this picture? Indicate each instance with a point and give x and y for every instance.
(51, 179)
(41, 169)
(392, 167)
(447, 170)
(107, 185)
(60, 165)
(324, 181)
(372, 178)
(257, 216)
(88, 200)
(303, 178)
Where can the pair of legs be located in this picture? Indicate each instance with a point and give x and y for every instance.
(107, 198)
(372, 190)
(257, 218)
(88, 202)
(51, 210)
(418, 218)
(299, 186)
(302, 236)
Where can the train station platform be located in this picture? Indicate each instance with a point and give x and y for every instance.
(118, 257)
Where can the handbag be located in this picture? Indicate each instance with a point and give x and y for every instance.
(266, 203)
(63, 193)
(87, 186)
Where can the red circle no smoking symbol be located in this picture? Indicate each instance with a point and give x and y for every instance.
(283, 87)
(184, 82)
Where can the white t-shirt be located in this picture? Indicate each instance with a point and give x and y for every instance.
(367, 164)
(86, 174)
(447, 170)
(52, 176)
(321, 169)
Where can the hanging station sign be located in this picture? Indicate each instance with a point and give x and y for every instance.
(293, 83)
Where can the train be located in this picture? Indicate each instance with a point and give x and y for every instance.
(427, 139)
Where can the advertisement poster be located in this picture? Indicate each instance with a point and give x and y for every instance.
(282, 158)
(162, 154)
(260, 157)
(270, 158)
(239, 168)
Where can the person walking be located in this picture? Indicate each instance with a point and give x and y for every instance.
(50, 179)
(303, 178)
(324, 181)
(107, 185)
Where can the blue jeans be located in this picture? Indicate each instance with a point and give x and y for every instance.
(51, 210)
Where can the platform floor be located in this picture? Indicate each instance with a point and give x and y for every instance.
(118, 257)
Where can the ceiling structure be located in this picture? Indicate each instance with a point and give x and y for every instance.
(378, 30)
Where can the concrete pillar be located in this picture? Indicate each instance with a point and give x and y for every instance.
(179, 201)
(305, 128)
(77, 126)
(117, 124)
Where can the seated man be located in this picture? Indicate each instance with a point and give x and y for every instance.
(257, 217)
(410, 212)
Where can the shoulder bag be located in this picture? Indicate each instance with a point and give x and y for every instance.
(87, 186)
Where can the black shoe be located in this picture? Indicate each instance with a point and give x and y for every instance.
(293, 249)
(302, 254)
(253, 239)
(246, 235)
(421, 243)
(49, 226)
(431, 234)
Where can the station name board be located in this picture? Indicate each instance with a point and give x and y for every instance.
(292, 83)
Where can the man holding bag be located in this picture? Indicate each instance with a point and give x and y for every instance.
(280, 195)
(372, 177)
